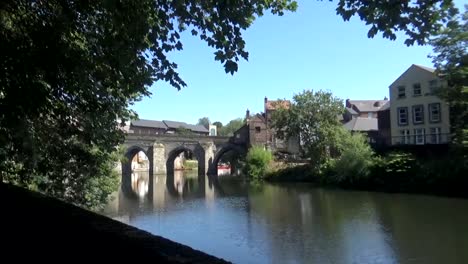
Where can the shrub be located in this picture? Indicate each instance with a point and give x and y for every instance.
(190, 164)
(354, 161)
(397, 171)
(257, 162)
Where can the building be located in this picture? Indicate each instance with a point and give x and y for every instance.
(417, 115)
(147, 127)
(213, 130)
(363, 116)
(262, 133)
(152, 127)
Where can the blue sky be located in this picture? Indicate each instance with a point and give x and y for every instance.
(312, 48)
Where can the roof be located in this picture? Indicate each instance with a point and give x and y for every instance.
(148, 123)
(412, 67)
(425, 68)
(197, 128)
(272, 105)
(177, 124)
(368, 105)
(386, 106)
(362, 124)
(351, 111)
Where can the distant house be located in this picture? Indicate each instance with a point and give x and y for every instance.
(153, 127)
(173, 126)
(147, 127)
(363, 116)
(417, 115)
(262, 133)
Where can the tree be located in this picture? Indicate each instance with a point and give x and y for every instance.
(218, 125)
(417, 19)
(70, 69)
(451, 61)
(231, 127)
(312, 117)
(204, 121)
(184, 131)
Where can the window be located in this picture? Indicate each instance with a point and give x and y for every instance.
(418, 114)
(257, 129)
(434, 112)
(419, 136)
(212, 132)
(417, 89)
(435, 135)
(402, 116)
(405, 137)
(433, 85)
(370, 114)
(401, 92)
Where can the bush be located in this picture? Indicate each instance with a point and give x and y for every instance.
(257, 162)
(397, 171)
(190, 164)
(354, 161)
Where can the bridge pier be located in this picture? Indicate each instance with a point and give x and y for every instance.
(159, 158)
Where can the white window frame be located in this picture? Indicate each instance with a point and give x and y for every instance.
(405, 137)
(433, 84)
(421, 114)
(431, 112)
(399, 115)
(417, 87)
(419, 136)
(401, 91)
(435, 133)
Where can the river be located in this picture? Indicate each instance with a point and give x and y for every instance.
(295, 223)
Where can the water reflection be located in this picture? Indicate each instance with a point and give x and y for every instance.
(140, 183)
(298, 223)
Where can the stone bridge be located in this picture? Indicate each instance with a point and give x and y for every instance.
(162, 149)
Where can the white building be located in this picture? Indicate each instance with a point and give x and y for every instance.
(417, 115)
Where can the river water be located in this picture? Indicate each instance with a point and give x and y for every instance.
(295, 223)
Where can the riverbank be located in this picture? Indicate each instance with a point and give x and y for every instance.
(44, 229)
(395, 173)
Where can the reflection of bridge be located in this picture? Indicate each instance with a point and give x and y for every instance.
(162, 150)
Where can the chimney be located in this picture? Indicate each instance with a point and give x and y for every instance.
(348, 104)
(247, 115)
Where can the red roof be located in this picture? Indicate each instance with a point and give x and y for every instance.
(272, 105)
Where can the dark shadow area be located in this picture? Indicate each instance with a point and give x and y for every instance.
(39, 228)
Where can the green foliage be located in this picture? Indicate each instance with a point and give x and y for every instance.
(417, 19)
(355, 158)
(218, 125)
(257, 162)
(231, 127)
(190, 164)
(184, 131)
(204, 121)
(451, 61)
(313, 118)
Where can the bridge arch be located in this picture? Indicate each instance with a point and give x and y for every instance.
(221, 150)
(126, 165)
(197, 151)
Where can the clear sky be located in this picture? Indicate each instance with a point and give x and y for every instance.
(312, 48)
